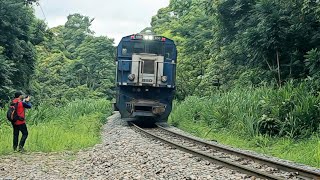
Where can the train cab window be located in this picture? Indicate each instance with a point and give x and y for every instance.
(138, 48)
(126, 49)
(155, 48)
(169, 52)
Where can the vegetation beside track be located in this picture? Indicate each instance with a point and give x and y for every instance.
(280, 122)
(73, 126)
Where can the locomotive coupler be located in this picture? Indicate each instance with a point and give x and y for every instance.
(145, 108)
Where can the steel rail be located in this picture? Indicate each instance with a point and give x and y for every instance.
(216, 160)
(303, 173)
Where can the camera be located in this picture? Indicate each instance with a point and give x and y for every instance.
(26, 97)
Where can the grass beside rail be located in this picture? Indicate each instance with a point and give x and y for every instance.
(72, 127)
(280, 122)
(305, 151)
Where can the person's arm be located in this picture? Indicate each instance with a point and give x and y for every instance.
(26, 104)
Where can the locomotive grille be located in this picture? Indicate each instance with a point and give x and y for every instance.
(148, 67)
(143, 108)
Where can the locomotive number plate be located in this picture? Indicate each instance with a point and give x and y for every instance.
(146, 80)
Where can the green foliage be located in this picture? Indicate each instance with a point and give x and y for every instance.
(240, 41)
(184, 22)
(74, 64)
(61, 68)
(280, 122)
(96, 66)
(251, 112)
(293, 112)
(250, 46)
(6, 69)
(304, 151)
(20, 31)
(312, 62)
(71, 127)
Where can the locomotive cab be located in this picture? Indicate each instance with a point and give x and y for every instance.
(145, 76)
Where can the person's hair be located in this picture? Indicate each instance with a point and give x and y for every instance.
(17, 94)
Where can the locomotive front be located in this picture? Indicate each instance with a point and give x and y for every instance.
(146, 72)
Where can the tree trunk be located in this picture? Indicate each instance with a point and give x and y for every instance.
(278, 62)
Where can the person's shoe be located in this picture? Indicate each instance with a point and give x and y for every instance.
(22, 150)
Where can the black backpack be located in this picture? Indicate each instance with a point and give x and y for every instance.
(12, 114)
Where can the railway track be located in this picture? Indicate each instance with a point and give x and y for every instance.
(246, 163)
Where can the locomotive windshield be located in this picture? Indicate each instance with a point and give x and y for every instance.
(128, 48)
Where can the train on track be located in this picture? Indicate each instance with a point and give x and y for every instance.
(145, 76)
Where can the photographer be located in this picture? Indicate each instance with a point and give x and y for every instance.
(20, 125)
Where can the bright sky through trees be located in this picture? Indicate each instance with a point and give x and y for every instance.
(114, 19)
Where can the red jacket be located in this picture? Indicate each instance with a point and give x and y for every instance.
(21, 110)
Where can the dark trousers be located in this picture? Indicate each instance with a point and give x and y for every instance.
(24, 130)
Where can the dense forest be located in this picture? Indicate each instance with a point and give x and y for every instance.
(247, 74)
(242, 42)
(238, 42)
(55, 65)
(67, 70)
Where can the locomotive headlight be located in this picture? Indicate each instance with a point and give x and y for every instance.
(164, 79)
(148, 37)
(131, 77)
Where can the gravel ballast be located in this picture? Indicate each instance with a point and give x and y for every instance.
(294, 164)
(123, 154)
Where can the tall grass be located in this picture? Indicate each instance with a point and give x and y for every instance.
(262, 117)
(287, 112)
(71, 127)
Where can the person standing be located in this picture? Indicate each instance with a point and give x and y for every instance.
(20, 124)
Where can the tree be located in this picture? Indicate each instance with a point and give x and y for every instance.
(17, 52)
(77, 28)
(74, 64)
(96, 56)
(241, 42)
(186, 23)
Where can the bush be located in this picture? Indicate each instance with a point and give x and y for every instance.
(71, 127)
(291, 111)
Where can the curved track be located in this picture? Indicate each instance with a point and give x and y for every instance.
(246, 163)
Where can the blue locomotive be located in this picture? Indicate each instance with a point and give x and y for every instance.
(145, 76)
